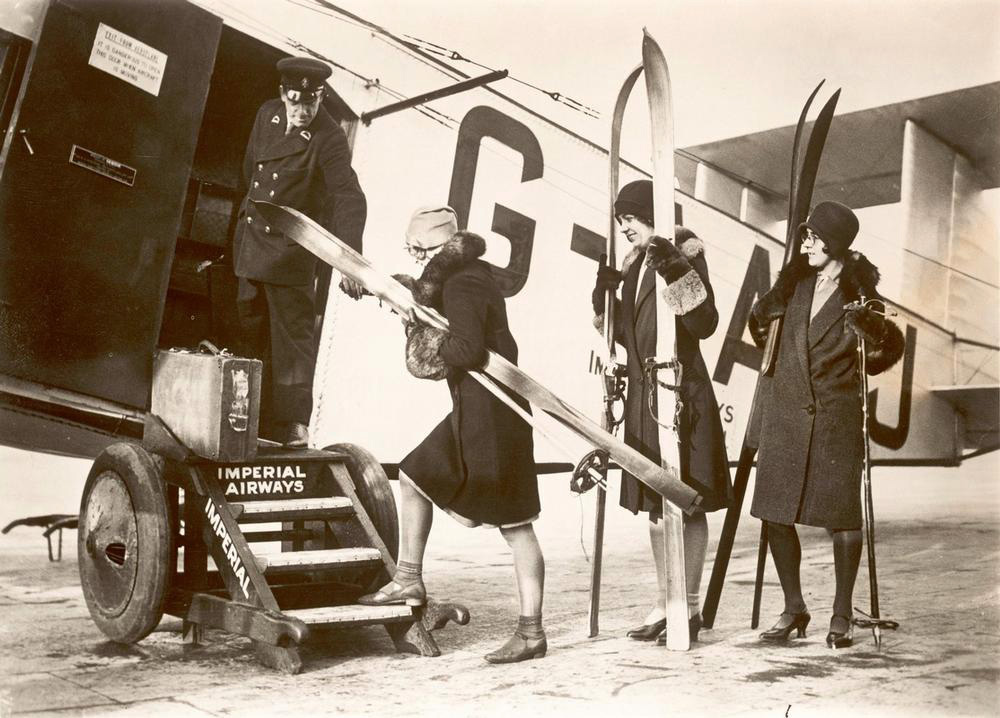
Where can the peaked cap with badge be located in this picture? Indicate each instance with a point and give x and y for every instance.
(308, 169)
(303, 77)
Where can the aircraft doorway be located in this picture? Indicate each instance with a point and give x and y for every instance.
(201, 296)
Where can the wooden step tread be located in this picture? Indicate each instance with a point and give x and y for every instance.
(325, 558)
(292, 508)
(352, 614)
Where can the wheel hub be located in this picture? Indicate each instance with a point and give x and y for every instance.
(111, 539)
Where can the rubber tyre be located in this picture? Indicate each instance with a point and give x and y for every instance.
(125, 543)
(374, 491)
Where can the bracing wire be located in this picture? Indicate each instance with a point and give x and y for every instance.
(430, 47)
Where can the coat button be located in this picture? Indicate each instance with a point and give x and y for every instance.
(274, 175)
(811, 409)
(267, 229)
(256, 184)
(249, 220)
(271, 193)
(260, 167)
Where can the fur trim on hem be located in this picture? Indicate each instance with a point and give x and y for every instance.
(685, 294)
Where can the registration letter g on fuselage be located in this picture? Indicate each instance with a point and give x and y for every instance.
(519, 230)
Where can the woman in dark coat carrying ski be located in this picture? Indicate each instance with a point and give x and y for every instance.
(704, 466)
(809, 463)
(477, 464)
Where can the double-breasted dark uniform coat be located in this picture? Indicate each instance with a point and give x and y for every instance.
(704, 464)
(309, 170)
(810, 455)
(478, 463)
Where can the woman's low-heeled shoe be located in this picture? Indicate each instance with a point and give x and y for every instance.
(412, 594)
(517, 649)
(837, 639)
(694, 627)
(647, 631)
(781, 632)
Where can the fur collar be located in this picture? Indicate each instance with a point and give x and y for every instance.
(859, 276)
(458, 252)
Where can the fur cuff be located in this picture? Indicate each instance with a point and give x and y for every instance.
(599, 323)
(881, 355)
(691, 247)
(686, 293)
(423, 357)
(866, 324)
(769, 307)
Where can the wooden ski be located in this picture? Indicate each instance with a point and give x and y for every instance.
(303, 230)
(609, 380)
(661, 120)
(801, 183)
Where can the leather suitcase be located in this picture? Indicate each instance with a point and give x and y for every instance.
(211, 401)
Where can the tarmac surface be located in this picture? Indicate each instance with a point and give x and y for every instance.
(938, 542)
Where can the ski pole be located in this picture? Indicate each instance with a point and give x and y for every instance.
(874, 621)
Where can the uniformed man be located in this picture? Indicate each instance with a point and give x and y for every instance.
(297, 156)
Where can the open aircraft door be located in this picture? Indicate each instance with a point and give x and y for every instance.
(93, 178)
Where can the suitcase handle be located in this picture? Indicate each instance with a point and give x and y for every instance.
(209, 348)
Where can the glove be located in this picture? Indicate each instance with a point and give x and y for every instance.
(406, 280)
(866, 323)
(608, 279)
(668, 261)
(352, 288)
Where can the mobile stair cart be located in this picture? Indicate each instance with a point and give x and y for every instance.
(152, 514)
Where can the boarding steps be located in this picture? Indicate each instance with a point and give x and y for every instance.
(152, 515)
(331, 553)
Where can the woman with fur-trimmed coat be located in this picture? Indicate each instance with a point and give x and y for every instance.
(704, 466)
(478, 463)
(809, 462)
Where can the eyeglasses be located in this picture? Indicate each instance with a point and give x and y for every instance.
(420, 253)
(810, 237)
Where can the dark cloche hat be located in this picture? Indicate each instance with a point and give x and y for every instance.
(835, 224)
(302, 77)
(636, 198)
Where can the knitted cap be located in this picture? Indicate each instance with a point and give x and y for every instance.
(636, 198)
(835, 224)
(431, 227)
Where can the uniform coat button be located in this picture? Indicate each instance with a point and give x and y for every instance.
(267, 229)
(260, 167)
(274, 175)
(256, 184)
(249, 220)
(271, 193)
(811, 409)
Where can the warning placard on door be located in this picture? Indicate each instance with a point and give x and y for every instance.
(129, 59)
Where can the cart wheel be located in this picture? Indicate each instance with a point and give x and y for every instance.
(124, 542)
(375, 493)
